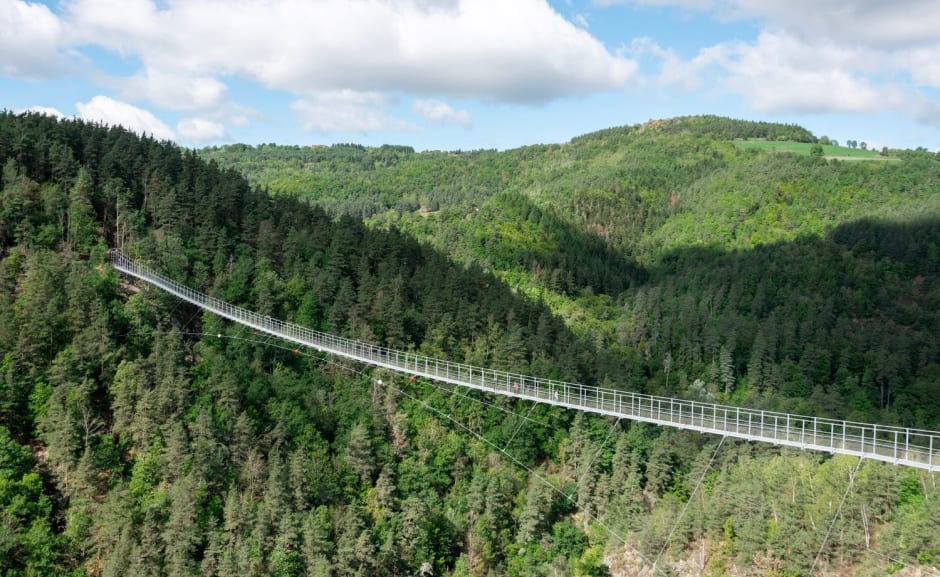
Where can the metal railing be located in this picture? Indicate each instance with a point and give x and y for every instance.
(897, 445)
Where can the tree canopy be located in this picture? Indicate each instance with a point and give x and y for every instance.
(139, 436)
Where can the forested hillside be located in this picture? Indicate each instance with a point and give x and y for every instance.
(776, 280)
(141, 437)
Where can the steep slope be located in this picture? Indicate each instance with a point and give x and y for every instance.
(158, 451)
(138, 437)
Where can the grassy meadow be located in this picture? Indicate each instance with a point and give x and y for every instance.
(804, 148)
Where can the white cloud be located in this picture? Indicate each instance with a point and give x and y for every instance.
(235, 114)
(814, 55)
(924, 65)
(114, 112)
(441, 112)
(174, 91)
(47, 110)
(519, 51)
(30, 36)
(674, 71)
(347, 111)
(120, 25)
(886, 36)
(927, 112)
(199, 130)
(874, 23)
(782, 73)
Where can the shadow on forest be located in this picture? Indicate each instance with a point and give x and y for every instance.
(847, 325)
(907, 243)
(514, 232)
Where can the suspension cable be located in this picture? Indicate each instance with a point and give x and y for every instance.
(838, 512)
(688, 502)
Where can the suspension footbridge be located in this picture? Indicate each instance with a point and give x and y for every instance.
(897, 445)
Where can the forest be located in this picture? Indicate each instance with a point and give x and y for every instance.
(140, 436)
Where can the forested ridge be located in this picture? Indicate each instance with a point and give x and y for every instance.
(135, 440)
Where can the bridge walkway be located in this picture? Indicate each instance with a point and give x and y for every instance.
(897, 445)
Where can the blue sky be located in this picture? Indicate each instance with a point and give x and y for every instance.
(469, 74)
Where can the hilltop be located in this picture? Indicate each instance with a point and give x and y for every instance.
(631, 185)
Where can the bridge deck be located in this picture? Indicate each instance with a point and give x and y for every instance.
(900, 446)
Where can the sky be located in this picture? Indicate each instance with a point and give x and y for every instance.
(472, 74)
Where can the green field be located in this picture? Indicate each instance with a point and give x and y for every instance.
(829, 151)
